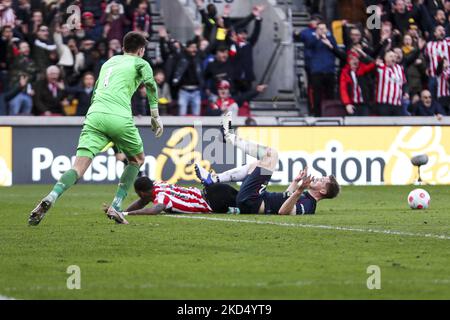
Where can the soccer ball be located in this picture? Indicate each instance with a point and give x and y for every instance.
(419, 199)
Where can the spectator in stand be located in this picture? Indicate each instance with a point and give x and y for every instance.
(242, 50)
(391, 81)
(428, 107)
(114, 48)
(74, 74)
(170, 51)
(165, 98)
(23, 67)
(237, 103)
(37, 19)
(66, 58)
(188, 78)
(390, 38)
(433, 6)
(94, 6)
(220, 69)
(323, 68)
(142, 20)
(22, 9)
(224, 102)
(22, 102)
(92, 29)
(307, 36)
(83, 94)
(354, 37)
(403, 13)
(50, 95)
(87, 48)
(440, 18)
(415, 71)
(205, 53)
(443, 76)
(23, 64)
(7, 16)
(5, 97)
(139, 103)
(114, 21)
(8, 49)
(436, 51)
(43, 48)
(209, 17)
(353, 90)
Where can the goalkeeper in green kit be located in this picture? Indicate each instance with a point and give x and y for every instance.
(110, 119)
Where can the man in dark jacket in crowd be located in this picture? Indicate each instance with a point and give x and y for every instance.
(243, 46)
(428, 107)
(42, 48)
(306, 36)
(83, 93)
(50, 94)
(188, 78)
(322, 67)
(220, 69)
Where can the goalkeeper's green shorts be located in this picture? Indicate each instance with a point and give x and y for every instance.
(100, 129)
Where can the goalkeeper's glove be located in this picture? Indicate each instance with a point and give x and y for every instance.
(157, 125)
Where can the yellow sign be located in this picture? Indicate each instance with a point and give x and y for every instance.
(358, 155)
(5, 156)
(183, 158)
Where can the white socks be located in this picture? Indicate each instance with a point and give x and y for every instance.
(252, 149)
(234, 175)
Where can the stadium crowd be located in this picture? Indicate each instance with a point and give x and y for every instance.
(49, 62)
(396, 63)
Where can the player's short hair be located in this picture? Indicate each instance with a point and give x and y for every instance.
(333, 188)
(133, 42)
(221, 197)
(143, 184)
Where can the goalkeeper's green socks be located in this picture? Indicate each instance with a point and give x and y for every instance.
(67, 180)
(126, 181)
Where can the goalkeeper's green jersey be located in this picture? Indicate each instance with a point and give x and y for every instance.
(119, 79)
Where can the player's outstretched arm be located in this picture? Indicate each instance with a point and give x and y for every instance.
(156, 209)
(137, 205)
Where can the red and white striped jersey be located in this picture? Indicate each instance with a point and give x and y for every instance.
(179, 199)
(436, 51)
(443, 84)
(357, 92)
(390, 84)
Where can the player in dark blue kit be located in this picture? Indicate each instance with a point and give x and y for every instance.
(300, 198)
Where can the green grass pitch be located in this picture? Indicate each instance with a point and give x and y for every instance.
(277, 258)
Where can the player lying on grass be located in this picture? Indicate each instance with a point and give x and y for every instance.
(110, 119)
(253, 197)
(170, 198)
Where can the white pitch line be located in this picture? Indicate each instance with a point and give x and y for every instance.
(6, 298)
(318, 226)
